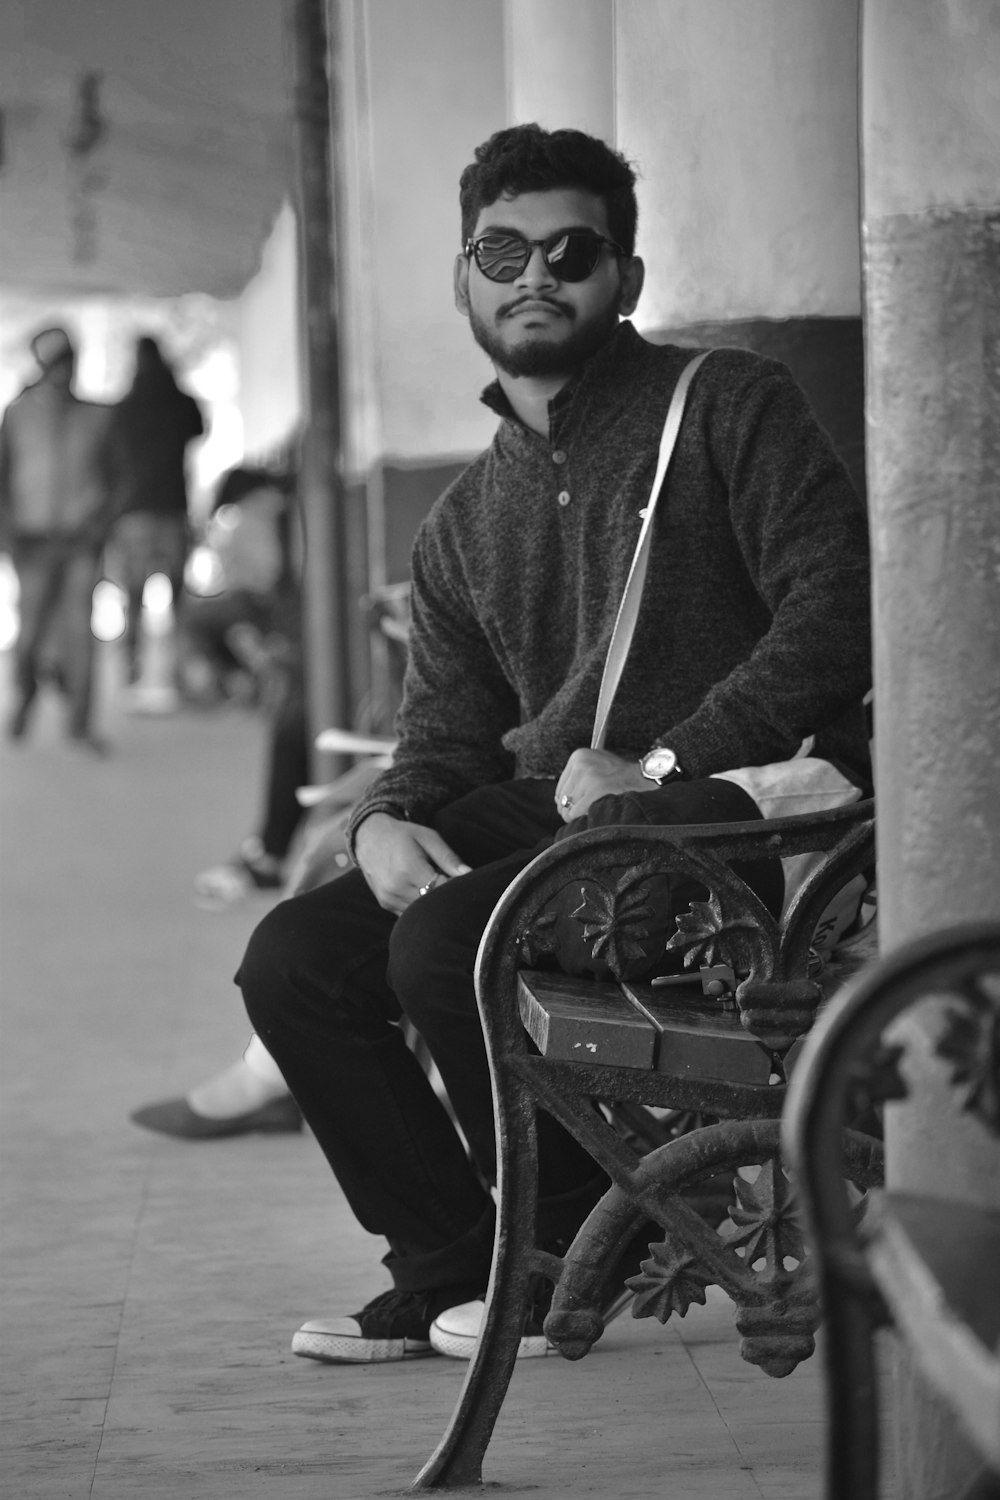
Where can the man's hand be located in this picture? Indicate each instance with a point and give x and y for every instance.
(401, 860)
(589, 774)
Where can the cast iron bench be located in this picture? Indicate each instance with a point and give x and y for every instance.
(713, 1055)
(927, 1267)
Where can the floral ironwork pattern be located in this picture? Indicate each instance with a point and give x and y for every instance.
(669, 1282)
(538, 941)
(766, 1221)
(971, 1044)
(876, 1079)
(700, 931)
(614, 919)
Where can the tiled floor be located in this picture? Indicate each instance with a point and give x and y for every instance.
(150, 1287)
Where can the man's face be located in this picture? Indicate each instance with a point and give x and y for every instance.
(537, 324)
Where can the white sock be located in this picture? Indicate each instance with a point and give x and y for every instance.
(237, 1090)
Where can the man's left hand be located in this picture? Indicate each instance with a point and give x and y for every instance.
(589, 774)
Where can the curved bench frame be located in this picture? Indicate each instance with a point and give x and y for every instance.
(940, 1290)
(775, 1000)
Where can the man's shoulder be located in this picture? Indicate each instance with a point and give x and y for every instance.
(725, 362)
(648, 367)
(24, 397)
(463, 494)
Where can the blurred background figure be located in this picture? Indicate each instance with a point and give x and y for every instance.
(151, 429)
(244, 645)
(55, 508)
(251, 532)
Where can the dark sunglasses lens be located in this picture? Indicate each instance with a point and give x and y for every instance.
(501, 257)
(573, 256)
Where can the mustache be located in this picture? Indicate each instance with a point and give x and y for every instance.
(507, 308)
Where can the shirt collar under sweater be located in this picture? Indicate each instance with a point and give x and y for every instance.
(620, 349)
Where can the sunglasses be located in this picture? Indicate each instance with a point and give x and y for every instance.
(570, 255)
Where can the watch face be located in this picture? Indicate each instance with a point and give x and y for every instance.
(659, 763)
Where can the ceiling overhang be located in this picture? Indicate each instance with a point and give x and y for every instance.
(145, 146)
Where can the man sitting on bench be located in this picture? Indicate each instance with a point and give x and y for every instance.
(753, 637)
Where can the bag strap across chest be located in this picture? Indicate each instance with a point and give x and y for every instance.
(628, 609)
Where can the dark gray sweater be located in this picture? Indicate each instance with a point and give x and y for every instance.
(754, 626)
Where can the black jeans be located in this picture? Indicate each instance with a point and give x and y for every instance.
(328, 974)
(287, 768)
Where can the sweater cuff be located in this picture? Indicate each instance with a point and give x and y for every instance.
(365, 810)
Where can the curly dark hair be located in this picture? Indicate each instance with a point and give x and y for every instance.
(528, 159)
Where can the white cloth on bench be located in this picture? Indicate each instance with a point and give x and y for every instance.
(805, 784)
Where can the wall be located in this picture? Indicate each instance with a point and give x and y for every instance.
(435, 90)
(422, 86)
(743, 121)
(267, 320)
(560, 64)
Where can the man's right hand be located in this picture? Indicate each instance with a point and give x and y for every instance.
(400, 860)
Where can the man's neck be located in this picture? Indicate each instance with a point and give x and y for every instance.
(529, 396)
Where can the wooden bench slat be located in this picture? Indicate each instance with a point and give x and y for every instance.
(637, 1026)
(697, 1038)
(584, 1021)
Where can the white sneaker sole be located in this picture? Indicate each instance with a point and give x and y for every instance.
(343, 1349)
(457, 1345)
(463, 1345)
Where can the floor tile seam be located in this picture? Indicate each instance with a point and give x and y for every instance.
(745, 1463)
(140, 1219)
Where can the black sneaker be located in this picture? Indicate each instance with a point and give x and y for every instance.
(394, 1325)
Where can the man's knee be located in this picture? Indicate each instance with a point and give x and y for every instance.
(432, 954)
(264, 971)
(324, 948)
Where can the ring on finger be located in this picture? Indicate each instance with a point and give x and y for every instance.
(565, 802)
(425, 888)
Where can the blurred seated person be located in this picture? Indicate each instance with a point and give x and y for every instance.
(260, 862)
(232, 641)
(253, 630)
(249, 1095)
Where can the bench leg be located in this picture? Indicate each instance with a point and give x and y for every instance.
(458, 1459)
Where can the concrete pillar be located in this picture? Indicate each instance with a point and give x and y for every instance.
(743, 122)
(931, 148)
(560, 64)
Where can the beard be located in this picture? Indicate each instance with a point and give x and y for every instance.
(540, 355)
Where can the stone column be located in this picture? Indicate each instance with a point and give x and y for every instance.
(560, 64)
(931, 211)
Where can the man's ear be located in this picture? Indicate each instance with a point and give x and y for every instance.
(461, 277)
(633, 276)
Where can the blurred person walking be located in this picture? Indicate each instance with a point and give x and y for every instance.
(151, 429)
(54, 515)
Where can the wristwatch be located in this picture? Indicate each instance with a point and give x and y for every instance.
(661, 765)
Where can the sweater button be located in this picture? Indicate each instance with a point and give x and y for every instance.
(563, 497)
(558, 456)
